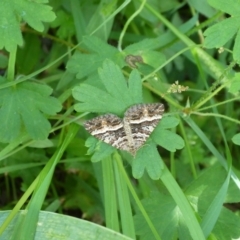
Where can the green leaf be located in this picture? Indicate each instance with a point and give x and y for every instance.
(168, 140)
(87, 94)
(232, 6)
(162, 137)
(85, 64)
(169, 221)
(236, 47)
(204, 190)
(235, 84)
(166, 217)
(220, 33)
(64, 24)
(116, 97)
(165, 138)
(211, 215)
(149, 57)
(135, 86)
(168, 122)
(100, 150)
(147, 158)
(55, 226)
(24, 105)
(105, 8)
(12, 12)
(236, 139)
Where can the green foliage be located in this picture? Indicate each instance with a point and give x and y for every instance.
(120, 95)
(64, 62)
(13, 11)
(25, 104)
(76, 228)
(219, 34)
(236, 139)
(200, 193)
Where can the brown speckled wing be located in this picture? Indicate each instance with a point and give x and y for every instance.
(143, 118)
(109, 129)
(129, 133)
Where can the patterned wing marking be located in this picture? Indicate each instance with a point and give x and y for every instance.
(130, 133)
(109, 129)
(143, 118)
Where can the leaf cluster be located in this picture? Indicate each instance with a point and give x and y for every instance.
(64, 62)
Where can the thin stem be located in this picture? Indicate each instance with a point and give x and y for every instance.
(127, 24)
(11, 65)
(216, 115)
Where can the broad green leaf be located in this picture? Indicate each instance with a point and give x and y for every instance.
(232, 6)
(85, 64)
(135, 88)
(100, 150)
(210, 188)
(168, 140)
(165, 138)
(201, 193)
(158, 206)
(218, 34)
(168, 122)
(148, 158)
(227, 226)
(235, 84)
(236, 139)
(14, 11)
(25, 105)
(236, 47)
(58, 226)
(116, 98)
(115, 83)
(87, 94)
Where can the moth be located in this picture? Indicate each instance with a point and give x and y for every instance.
(131, 132)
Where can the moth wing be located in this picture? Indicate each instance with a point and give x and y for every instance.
(109, 129)
(143, 118)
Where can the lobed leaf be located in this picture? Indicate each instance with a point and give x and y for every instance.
(232, 6)
(24, 105)
(100, 150)
(168, 140)
(235, 84)
(148, 158)
(12, 12)
(116, 97)
(165, 138)
(220, 33)
(236, 139)
(202, 195)
(85, 64)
